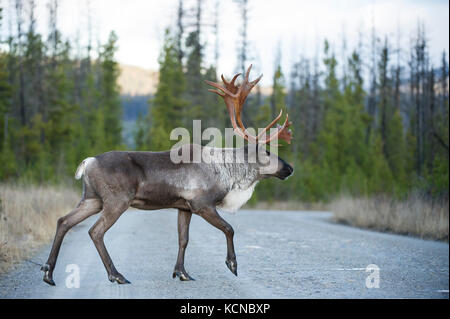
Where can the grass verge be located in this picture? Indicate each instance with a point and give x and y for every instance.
(28, 216)
(415, 216)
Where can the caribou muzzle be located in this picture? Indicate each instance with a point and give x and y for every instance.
(285, 171)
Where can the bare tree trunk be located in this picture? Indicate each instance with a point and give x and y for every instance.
(180, 31)
(242, 54)
(242, 57)
(431, 124)
(383, 96)
(397, 79)
(371, 105)
(216, 33)
(22, 106)
(54, 37)
(315, 103)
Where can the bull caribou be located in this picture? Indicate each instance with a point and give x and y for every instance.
(115, 181)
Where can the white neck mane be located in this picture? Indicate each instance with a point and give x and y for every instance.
(236, 198)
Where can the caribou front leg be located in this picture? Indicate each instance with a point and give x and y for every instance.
(184, 219)
(211, 215)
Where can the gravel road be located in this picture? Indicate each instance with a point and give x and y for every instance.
(281, 254)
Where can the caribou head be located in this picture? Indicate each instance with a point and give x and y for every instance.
(235, 96)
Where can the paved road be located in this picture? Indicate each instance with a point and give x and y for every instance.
(281, 254)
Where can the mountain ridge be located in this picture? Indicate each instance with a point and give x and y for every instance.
(137, 81)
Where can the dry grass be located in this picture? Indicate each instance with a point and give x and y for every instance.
(414, 216)
(28, 216)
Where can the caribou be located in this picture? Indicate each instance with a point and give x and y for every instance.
(117, 180)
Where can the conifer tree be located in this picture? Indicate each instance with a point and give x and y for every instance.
(61, 114)
(109, 90)
(168, 108)
(7, 158)
(342, 135)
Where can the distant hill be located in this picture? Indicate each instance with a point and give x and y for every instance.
(137, 81)
(137, 86)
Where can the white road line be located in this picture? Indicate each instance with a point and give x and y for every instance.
(350, 269)
(253, 247)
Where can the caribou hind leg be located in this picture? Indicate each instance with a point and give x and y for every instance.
(109, 216)
(184, 219)
(84, 209)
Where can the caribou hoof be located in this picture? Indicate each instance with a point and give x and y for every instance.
(47, 275)
(48, 279)
(182, 275)
(232, 265)
(119, 279)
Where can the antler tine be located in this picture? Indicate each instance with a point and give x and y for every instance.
(218, 86)
(270, 125)
(231, 83)
(286, 134)
(282, 133)
(254, 82)
(247, 74)
(217, 92)
(234, 78)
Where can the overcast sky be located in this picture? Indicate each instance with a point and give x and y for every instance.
(291, 27)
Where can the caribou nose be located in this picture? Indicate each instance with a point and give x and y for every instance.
(286, 171)
(289, 169)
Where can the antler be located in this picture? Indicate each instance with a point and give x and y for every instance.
(235, 96)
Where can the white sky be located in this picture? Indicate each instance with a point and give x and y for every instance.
(294, 27)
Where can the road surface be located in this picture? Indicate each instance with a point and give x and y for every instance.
(280, 254)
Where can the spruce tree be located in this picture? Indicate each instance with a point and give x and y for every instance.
(7, 158)
(110, 102)
(61, 113)
(168, 106)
